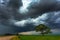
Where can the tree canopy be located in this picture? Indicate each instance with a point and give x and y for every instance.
(43, 29)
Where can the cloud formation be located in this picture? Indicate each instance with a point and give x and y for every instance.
(39, 12)
(36, 8)
(33, 21)
(50, 18)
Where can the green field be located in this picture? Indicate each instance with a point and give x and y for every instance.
(36, 37)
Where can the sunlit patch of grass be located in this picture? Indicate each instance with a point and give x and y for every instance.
(16, 38)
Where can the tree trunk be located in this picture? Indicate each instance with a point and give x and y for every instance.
(42, 33)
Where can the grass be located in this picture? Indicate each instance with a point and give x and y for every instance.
(37, 37)
(15, 38)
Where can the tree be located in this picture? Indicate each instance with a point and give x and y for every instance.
(43, 29)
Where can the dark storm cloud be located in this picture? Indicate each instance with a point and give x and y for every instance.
(51, 19)
(43, 6)
(35, 9)
(7, 18)
(11, 19)
(15, 3)
(54, 20)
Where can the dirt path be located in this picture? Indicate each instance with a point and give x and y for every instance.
(6, 37)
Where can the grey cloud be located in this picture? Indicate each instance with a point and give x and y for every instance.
(50, 19)
(15, 3)
(11, 18)
(54, 32)
(33, 21)
(53, 20)
(42, 7)
(57, 20)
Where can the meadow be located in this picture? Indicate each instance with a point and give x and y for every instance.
(36, 37)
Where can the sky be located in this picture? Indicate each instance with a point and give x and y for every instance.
(24, 15)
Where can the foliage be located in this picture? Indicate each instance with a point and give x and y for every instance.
(7, 34)
(43, 29)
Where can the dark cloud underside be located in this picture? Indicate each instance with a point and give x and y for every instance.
(39, 12)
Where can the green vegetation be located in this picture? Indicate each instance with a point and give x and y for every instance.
(37, 37)
(16, 38)
(43, 29)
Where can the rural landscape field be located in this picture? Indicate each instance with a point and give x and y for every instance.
(37, 37)
(31, 37)
(40, 37)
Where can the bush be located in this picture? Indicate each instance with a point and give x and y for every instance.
(7, 34)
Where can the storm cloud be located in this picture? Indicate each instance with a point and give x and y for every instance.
(35, 8)
(51, 19)
(13, 15)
